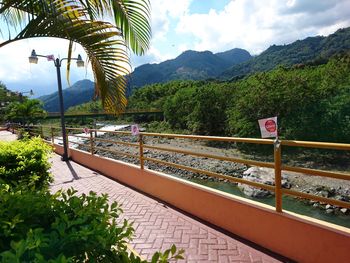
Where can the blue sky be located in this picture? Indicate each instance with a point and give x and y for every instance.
(203, 7)
(215, 25)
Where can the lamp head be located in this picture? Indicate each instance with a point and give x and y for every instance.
(33, 59)
(80, 62)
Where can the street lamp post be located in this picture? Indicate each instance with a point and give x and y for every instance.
(20, 94)
(57, 62)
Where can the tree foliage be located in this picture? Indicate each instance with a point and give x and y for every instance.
(310, 101)
(25, 112)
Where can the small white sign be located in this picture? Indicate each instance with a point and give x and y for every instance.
(268, 127)
(135, 129)
(86, 130)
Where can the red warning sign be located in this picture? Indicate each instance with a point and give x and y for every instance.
(268, 127)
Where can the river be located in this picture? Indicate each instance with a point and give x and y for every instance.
(288, 203)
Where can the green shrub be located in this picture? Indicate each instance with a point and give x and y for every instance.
(25, 162)
(40, 227)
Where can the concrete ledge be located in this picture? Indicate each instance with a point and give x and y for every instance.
(300, 238)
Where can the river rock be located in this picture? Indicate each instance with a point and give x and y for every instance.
(259, 175)
(344, 210)
(329, 211)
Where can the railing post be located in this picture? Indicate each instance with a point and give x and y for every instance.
(278, 175)
(52, 136)
(141, 151)
(91, 143)
(67, 142)
(41, 132)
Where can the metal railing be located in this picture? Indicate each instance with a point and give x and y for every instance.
(276, 164)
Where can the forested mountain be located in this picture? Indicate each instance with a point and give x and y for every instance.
(80, 92)
(311, 102)
(301, 51)
(193, 65)
(189, 65)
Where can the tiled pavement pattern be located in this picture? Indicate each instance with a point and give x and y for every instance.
(157, 226)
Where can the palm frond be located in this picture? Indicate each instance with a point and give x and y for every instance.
(133, 18)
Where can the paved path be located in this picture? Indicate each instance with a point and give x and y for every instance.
(157, 226)
(7, 136)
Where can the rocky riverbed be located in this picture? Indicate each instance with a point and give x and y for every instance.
(326, 187)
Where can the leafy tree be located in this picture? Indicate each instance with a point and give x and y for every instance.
(26, 112)
(6, 97)
(311, 102)
(199, 108)
(78, 21)
(154, 96)
(89, 107)
(208, 115)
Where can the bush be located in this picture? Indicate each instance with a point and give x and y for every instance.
(36, 226)
(25, 162)
(39, 227)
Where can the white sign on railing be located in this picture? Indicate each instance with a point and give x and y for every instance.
(268, 127)
(135, 129)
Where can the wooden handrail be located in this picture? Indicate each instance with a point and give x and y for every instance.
(276, 165)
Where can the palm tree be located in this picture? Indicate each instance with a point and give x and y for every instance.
(107, 45)
(26, 112)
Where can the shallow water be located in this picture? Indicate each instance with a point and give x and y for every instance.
(288, 203)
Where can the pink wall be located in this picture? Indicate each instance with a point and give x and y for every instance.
(299, 238)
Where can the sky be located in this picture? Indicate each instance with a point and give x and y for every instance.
(215, 25)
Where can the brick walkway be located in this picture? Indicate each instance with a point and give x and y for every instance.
(157, 226)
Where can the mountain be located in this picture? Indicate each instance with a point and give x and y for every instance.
(189, 65)
(301, 51)
(234, 56)
(80, 92)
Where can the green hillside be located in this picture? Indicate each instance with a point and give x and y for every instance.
(301, 51)
(80, 92)
(311, 102)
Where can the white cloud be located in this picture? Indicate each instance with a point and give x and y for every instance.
(255, 24)
(19, 74)
(162, 12)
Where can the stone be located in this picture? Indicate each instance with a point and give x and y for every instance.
(329, 211)
(319, 188)
(329, 207)
(324, 193)
(344, 210)
(259, 175)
